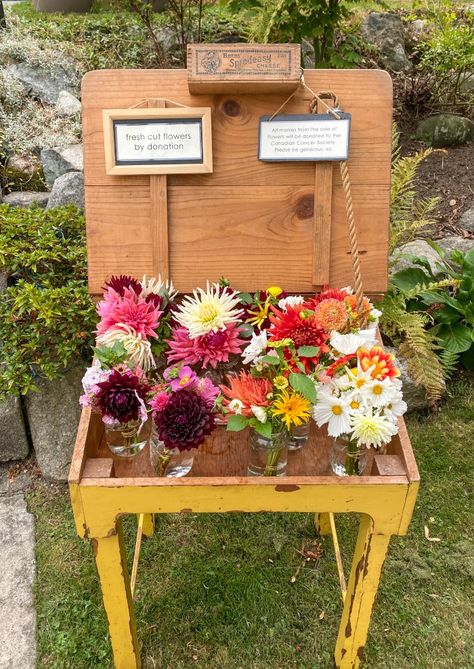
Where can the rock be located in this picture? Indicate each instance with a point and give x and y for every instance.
(413, 394)
(26, 199)
(467, 220)
(418, 248)
(53, 415)
(418, 26)
(28, 165)
(68, 104)
(67, 189)
(385, 31)
(60, 160)
(45, 83)
(13, 440)
(307, 54)
(455, 243)
(467, 83)
(445, 130)
(3, 282)
(17, 579)
(24, 173)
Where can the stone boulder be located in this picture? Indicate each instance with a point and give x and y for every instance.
(455, 243)
(26, 199)
(467, 220)
(444, 130)
(67, 189)
(53, 416)
(13, 440)
(413, 394)
(419, 248)
(385, 31)
(61, 160)
(45, 83)
(67, 104)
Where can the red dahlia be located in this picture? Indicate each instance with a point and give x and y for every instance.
(119, 283)
(185, 421)
(119, 397)
(301, 328)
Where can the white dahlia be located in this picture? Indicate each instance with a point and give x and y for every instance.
(346, 344)
(153, 286)
(255, 349)
(372, 430)
(208, 310)
(138, 349)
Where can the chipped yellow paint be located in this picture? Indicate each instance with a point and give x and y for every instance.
(385, 510)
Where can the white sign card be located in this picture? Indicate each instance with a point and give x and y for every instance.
(304, 137)
(159, 140)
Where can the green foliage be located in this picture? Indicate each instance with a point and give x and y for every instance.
(316, 21)
(408, 212)
(431, 317)
(46, 315)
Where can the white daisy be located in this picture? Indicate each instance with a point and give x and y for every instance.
(138, 349)
(208, 310)
(345, 344)
(372, 430)
(259, 413)
(333, 412)
(291, 301)
(396, 406)
(253, 352)
(378, 393)
(236, 406)
(154, 286)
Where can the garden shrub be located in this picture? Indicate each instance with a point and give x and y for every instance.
(46, 314)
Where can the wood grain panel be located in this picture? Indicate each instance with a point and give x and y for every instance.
(249, 220)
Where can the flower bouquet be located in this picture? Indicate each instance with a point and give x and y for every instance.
(183, 407)
(359, 399)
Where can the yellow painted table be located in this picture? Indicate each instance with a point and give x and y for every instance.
(103, 489)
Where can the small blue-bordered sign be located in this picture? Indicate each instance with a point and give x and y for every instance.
(304, 137)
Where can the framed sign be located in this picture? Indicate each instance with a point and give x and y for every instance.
(304, 137)
(158, 140)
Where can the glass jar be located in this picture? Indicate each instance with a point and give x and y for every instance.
(268, 455)
(346, 457)
(171, 463)
(126, 440)
(298, 436)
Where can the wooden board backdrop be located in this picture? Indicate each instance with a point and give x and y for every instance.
(256, 223)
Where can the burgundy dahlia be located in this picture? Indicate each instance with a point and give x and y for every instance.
(185, 421)
(119, 397)
(119, 283)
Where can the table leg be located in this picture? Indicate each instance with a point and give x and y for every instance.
(148, 524)
(110, 557)
(322, 523)
(367, 564)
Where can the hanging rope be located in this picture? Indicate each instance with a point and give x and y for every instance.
(346, 187)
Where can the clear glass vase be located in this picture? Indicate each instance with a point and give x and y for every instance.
(127, 440)
(268, 456)
(298, 437)
(171, 463)
(347, 458)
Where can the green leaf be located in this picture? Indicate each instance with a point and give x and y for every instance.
(467, 358)
(308, 351)
(265, 429)
(245, 298)
(455, 337)
(303, 385)
(270, 359)
(409, 278)
(447, 315)
(236, 423)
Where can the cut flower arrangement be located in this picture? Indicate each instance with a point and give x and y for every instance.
(161, 370)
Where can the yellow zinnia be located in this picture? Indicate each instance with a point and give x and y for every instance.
(292, 408)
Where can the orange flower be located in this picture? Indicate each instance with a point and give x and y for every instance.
(380, 360)
(331, 314)
(354, 315)
(247, 390)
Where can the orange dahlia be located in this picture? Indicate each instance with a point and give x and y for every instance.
(326, 294)
(331, 314)
(381, 361)
(357, 318)
(248, 390)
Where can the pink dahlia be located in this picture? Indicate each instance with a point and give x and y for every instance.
(209, 349)
(127, 310)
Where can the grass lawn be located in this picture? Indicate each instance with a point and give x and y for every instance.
(216, 592)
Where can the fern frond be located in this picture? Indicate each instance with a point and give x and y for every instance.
(449, 361)
(425, 368)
